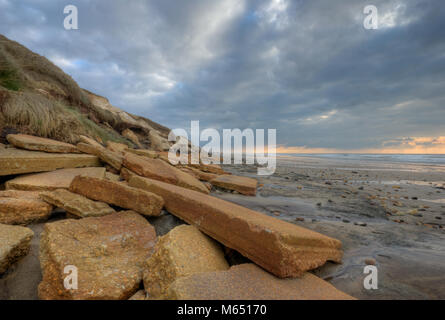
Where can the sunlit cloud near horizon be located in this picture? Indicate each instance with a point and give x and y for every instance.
(308, 69)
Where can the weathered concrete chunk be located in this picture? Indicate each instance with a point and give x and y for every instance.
(76, 204)
(249, 282)
(112, 158)
(22, 207)
(159, 170)
(108, 252)
(40, 144)
(15, 161)
(145, 153)
(119, 194)
(181, 252)
(243, 185)
(59, 179)
(282, 248)
(116, 147)
(15, 242)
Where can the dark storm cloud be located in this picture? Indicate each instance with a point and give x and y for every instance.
(307, 68)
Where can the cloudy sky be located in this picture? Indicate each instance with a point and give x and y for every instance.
(308, 68)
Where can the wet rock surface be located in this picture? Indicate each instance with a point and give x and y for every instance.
(409, 255)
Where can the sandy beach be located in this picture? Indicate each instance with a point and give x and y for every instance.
(391, 214)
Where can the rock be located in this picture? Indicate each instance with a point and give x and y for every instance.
(243, 185)
(145, 153)
(249, 282)
(157, 142)
(31, 195)
(117, 193)
(59, 179)
(198, 174)
(15, 243)
(2, 146)
(164, 223)
(33, 143)
(87, 140)
(76, 204)
(280, 247)
(211, 168)
(22, 207)
(182, 252)
(140, 295)
(130, 135)
(112, 177)
(127, 174)
(112, 158)
(117, 147)
(159, 170)
(15, 161)
(360, 224)
(109, 253)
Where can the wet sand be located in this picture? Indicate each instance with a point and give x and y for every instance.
(390, 214)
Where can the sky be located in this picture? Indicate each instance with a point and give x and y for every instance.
(307, 68)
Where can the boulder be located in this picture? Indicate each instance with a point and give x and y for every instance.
(249, 282)
(119, 194)
(108, 252)
(211, 168)
(140, 295)
(159, 170)
(33, 143)
(182, 252)
(126, 174)
(201, 175)
(144, 153)
(112, 158)
(75, 204)
(15, 161)
(243, 185)
(130, 135)
(15, 243)
(22, 207)
(58, 179)
(157, 142)
(281, 248)
(88, 140)
(112, 177)
(117, 147)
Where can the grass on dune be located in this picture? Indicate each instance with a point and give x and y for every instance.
(34, 113)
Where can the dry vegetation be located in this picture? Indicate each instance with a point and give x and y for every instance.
(37, 97)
